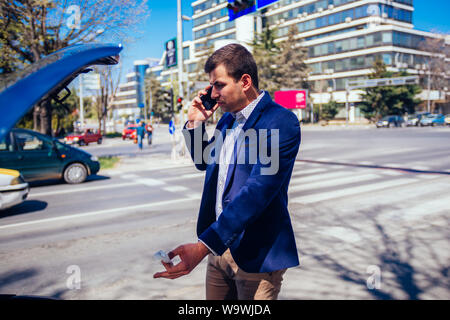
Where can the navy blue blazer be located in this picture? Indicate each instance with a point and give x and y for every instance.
(255, 223)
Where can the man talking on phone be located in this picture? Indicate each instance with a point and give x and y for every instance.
(243, 224)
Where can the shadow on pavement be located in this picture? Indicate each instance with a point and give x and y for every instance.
(27, 206)
(412, 261)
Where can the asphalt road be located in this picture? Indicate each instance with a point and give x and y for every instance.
(369, 209)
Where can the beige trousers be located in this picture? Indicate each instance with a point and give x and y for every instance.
(226, 281)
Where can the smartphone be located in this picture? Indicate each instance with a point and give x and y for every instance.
(207, 101)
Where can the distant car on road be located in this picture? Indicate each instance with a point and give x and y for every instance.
(40, 157)
(84, 138)
(129, 132)
(13, 188)
(447, 119)
(414, 119)
(390, 121)
(432, 120)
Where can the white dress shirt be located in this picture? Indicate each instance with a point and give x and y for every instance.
(226, 153)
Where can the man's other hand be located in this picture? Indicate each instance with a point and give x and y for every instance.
(190, 255)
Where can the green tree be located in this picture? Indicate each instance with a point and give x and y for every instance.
(329, 110)
(265, 52)
(378, 102)
(280, 65)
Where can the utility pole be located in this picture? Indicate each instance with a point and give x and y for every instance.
(81, 102)
(180, 49)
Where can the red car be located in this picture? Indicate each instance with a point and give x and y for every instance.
(129, 132)
(83, 139)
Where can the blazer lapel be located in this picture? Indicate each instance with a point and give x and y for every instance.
(254, 116)
(228, 123)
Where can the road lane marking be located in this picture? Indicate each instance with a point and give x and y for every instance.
(100, 212)
(176, 189)
(421, 210)
(186, 176)
(351, 191)
(299, 172)
(109, 186)
(320, 177)
(333, 182)
(150, 182)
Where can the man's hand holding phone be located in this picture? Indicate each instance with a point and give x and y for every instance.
(202, 108)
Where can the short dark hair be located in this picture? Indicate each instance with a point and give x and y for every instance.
(237, 61)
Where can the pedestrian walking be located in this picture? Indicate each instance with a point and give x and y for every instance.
(149, 129)
(140, 134)
(243, 223)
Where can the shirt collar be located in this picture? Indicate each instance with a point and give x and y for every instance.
(242, 115)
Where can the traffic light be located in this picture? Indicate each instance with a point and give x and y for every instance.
(179, 104)
(240, 5)
(168, 100)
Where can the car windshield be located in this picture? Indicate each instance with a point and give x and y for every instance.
(432, 116)
(412, 117)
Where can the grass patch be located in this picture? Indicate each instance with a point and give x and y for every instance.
(113, 135)
(108, 162)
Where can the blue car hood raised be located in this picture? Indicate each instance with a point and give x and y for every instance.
(41, 78)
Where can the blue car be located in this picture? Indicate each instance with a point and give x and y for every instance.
(432, 120)
(36, 156)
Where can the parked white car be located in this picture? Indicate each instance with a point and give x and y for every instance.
(13, 188)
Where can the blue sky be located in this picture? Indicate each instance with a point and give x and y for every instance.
(429, 15)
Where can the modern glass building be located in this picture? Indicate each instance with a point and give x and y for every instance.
(343, 37)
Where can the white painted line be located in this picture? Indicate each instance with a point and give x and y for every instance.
(344, 234)
(84, 189)
(366, 163)
(100, 212)
(393, 165)
(421, 168)
(321, 177)
(302, 172)
(186, 176)
(351, 191)
(150, 182)
(333, 182)
(129, 176)
(392, 172)
(421, 210)
(176, 189)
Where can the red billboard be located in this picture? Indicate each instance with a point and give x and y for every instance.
(291, 99)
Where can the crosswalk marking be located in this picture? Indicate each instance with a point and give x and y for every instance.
(150, 182)
(175, 189)
(417, 211)
(320, 177)
(334, 182)
(310, 171)
(313, 198)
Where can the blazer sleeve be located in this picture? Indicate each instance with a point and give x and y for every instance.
(196, 144)
(255, 195)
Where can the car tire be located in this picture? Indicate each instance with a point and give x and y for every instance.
(75, 173)
(81, 143)
(99, 141)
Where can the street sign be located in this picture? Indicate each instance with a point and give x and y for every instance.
(291, 99)
(171, 127)
(239, 8)
(263, 3)
(91, 81)
(171, 53)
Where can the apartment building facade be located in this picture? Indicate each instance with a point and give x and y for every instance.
(343, 37)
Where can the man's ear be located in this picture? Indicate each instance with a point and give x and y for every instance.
(246, 81)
